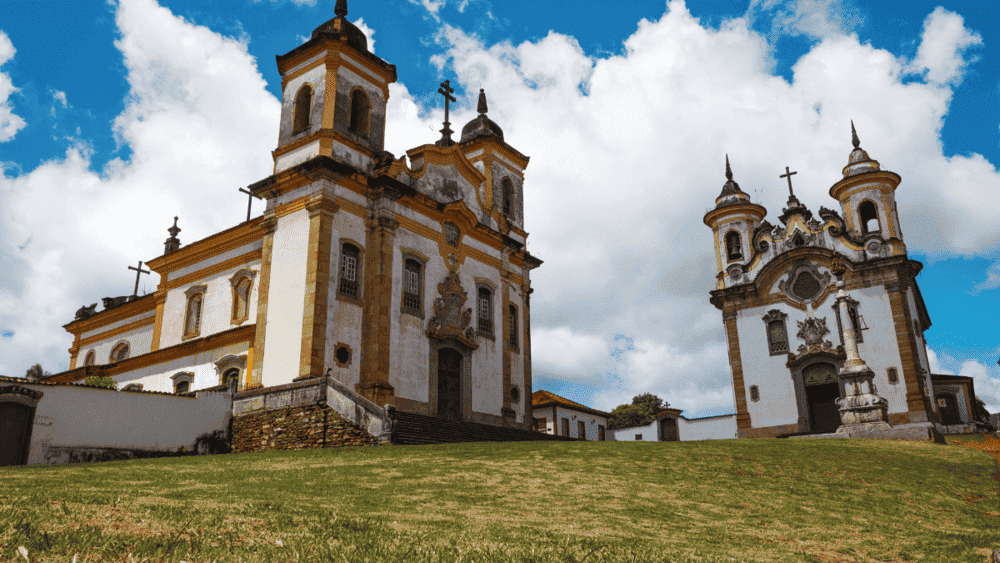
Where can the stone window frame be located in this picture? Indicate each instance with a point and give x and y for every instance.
(507, 197)
(542, 425)
(754, 393)
(240, 317)
(132, 387)
(336, 351)
(359, 272)
(182, 377)
(863, 223)
(513, 336)
(113, 355)
(774, 346)
(421, 262)
(730, 257)
(354, 120)
(489, 323)
(452, 234)
(301, 118)
(228, 362)
(852, 310)
(892, 374)
(191, 294)
(91, 358)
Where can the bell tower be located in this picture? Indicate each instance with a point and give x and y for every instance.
(733, 222)
(333, 97)
(867, 199)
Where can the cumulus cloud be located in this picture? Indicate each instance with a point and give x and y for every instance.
(986, 381)
(369, 32)
(200, 124)
(816, 19)
(10, 124)
(432, 7)
(992, 280)
(941, 54)
(60, 97)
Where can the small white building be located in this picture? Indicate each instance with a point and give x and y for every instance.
(670, 426)
(561, 417)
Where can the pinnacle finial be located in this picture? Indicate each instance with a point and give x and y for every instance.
(729, 171)
(175, 229)
(482, 109)
(341, 8)
(854, 136)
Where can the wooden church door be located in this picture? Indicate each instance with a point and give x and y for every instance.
(15, 433)
(449, 384)
(822, 392)
(668, 430)
(949, 409)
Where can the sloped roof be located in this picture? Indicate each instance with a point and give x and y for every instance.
(543, 398)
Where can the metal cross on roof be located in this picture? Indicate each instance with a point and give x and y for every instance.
(788, 175)
(249, 200)
(446, 90)
(138, 272)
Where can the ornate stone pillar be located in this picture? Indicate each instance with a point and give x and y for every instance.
(321, 210)
(861, 409)
(376, 319)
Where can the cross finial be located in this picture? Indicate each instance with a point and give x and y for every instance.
(341, 8)
(788, 174)
(729, 171)
(446, 90)
(854, 136)
(138, 272)
(482, 109)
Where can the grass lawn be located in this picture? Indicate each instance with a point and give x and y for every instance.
(567, 502)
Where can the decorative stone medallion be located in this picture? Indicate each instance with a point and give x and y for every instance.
(451, 318)
(812, 330)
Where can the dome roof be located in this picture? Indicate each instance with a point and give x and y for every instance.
(481, 126)
(859, 162)
(731, 192)
(343, 29)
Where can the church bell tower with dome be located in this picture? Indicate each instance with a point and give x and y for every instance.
(823, 317)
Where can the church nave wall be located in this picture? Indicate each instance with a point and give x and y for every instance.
(138, 339)
(286, 293)
(777, 404)
(201, 366)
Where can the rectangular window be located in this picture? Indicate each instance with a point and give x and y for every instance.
(543, 425)
(349, 268)
(484, 322)
(411, 287)
(777, 337)
(581, 430)
(638, 436)
(565, 427)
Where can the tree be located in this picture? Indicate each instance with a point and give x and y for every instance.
(35, 372)
(101, 381)
(642, 411)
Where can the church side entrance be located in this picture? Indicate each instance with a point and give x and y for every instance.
(15, 433)
(949, 409)
(449, 384)
(822, 393)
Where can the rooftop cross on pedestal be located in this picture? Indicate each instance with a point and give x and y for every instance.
(788, 174)
(138, 272)
(446, 90)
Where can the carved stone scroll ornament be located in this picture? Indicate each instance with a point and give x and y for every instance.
(812, 330)
(451, 318)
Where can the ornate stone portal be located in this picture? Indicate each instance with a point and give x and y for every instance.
(451, 318)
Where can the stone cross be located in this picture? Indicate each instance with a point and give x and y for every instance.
(446, 91)
(788, 175)
(138, 272)
(249, 200)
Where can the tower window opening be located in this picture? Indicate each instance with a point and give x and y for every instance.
(733, 246)
(303, 103)
(349, 270)
(507, 205)
(411, 286)
(868, 214)
(359, 113)
(485, 322)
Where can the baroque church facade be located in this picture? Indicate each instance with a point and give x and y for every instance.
(790, 335)
(407, 282)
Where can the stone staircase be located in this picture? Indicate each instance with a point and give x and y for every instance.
(413, 429)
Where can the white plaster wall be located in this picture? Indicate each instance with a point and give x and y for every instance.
(777, 404)
(409, 366)
(709, 428)
(343, 318)
(217, 306)
(217, 259)
(72, 415)
(316, 78)
(157, 377)
(880, 349)
(286, 300)
(875, 195)
(112, 326)
(591, 423)
(646, 433)
(139, 342)
(296, 156)
(369, 74)
(487, 360)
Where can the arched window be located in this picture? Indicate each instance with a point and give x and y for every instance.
(734, 248)
(119, 353)
(484, 310)
(777, 332)
(513, 327)
(192, 314)
(349, 255)
(182, 382)
(507, 205)
(231, 374)
(359, 113)
(303, 103)
(412, 282)
(868, 214)
(91, 358)
(451, 234)
(242, 282)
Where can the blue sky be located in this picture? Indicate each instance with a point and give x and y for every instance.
(118, 116)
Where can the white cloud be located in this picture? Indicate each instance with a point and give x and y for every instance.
(816, 19)
(432, 7)
(199, 123)
(992, 280)
(986, 381)
(935, 363)
(304, 2)
(942, 46)
(369, 32)
(10, 124)
(61, 98)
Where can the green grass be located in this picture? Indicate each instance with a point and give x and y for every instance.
(745, 500)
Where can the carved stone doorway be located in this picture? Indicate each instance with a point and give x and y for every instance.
(16, 420)
(449, 389)
(822, 392)
(949, 409)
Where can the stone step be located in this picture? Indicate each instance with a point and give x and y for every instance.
(413, 429)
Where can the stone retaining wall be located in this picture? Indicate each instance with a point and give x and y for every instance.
(293, 428)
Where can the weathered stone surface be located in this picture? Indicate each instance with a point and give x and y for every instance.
(293, 428)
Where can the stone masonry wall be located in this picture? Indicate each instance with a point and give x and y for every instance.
(292, 428)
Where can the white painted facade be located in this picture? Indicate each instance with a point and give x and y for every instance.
(722, 427)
